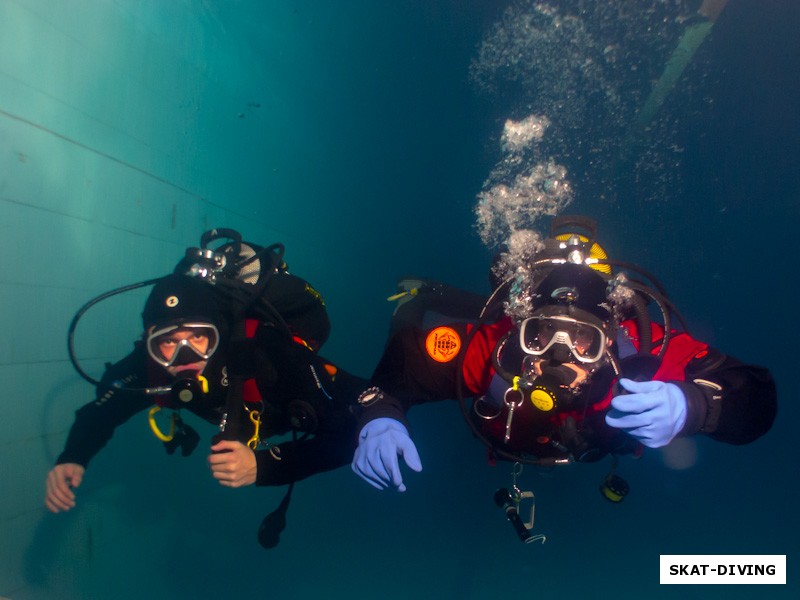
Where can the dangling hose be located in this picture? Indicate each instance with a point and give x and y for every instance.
(665, 305)
(643, 324)
(82, 310)
(269, 532)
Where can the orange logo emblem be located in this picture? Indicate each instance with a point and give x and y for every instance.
(443, 344)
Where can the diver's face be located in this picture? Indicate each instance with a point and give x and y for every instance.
(194, 340)
(563, 347)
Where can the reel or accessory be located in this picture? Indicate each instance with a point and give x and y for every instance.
(510, 503)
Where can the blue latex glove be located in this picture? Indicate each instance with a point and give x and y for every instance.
(653, 412)
(379, 444)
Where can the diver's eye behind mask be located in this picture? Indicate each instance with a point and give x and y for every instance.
(182, 344)
(585, 341)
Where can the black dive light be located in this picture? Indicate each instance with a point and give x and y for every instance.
(503, 499)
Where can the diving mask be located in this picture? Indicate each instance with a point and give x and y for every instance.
(583, 339)
(182, 344)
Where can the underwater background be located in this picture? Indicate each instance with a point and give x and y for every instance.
(363, 135)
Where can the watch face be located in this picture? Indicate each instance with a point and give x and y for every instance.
(369, 396)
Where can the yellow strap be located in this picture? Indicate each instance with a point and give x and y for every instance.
(255, 418)
(411, 292)
(151, 417)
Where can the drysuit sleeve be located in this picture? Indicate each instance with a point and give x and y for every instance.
(295, 460)
(408, 376)
(325, 398)
(95, 422)
(728, 400)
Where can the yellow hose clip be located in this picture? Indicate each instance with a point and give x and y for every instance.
(515, 383)
(151, 417)
(255, 419)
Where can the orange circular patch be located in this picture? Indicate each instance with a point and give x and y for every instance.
(443, 344)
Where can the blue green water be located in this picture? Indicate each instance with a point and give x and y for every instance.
(355, 133)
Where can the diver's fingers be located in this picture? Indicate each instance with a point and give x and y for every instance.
(627, 420)
(220, 448)
(408, 451)
(391, 465)
(640, 387)
(234, 464)
(56, 498)
(59, 495)
(75, 473)
(377, 484)
(371, 467)
(380, 465)
(635, 403)
(361, 467)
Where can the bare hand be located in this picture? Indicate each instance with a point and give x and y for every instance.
(60, 481)
(233, 465)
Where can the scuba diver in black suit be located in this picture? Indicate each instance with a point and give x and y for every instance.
(232, 337)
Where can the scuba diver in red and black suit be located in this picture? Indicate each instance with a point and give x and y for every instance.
(232, 337)
(563, 364)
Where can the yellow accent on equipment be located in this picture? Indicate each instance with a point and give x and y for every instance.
(596, 251)
(411, 292)
(611, 494)
(255, 418)
(542, 399)
(151, 418)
